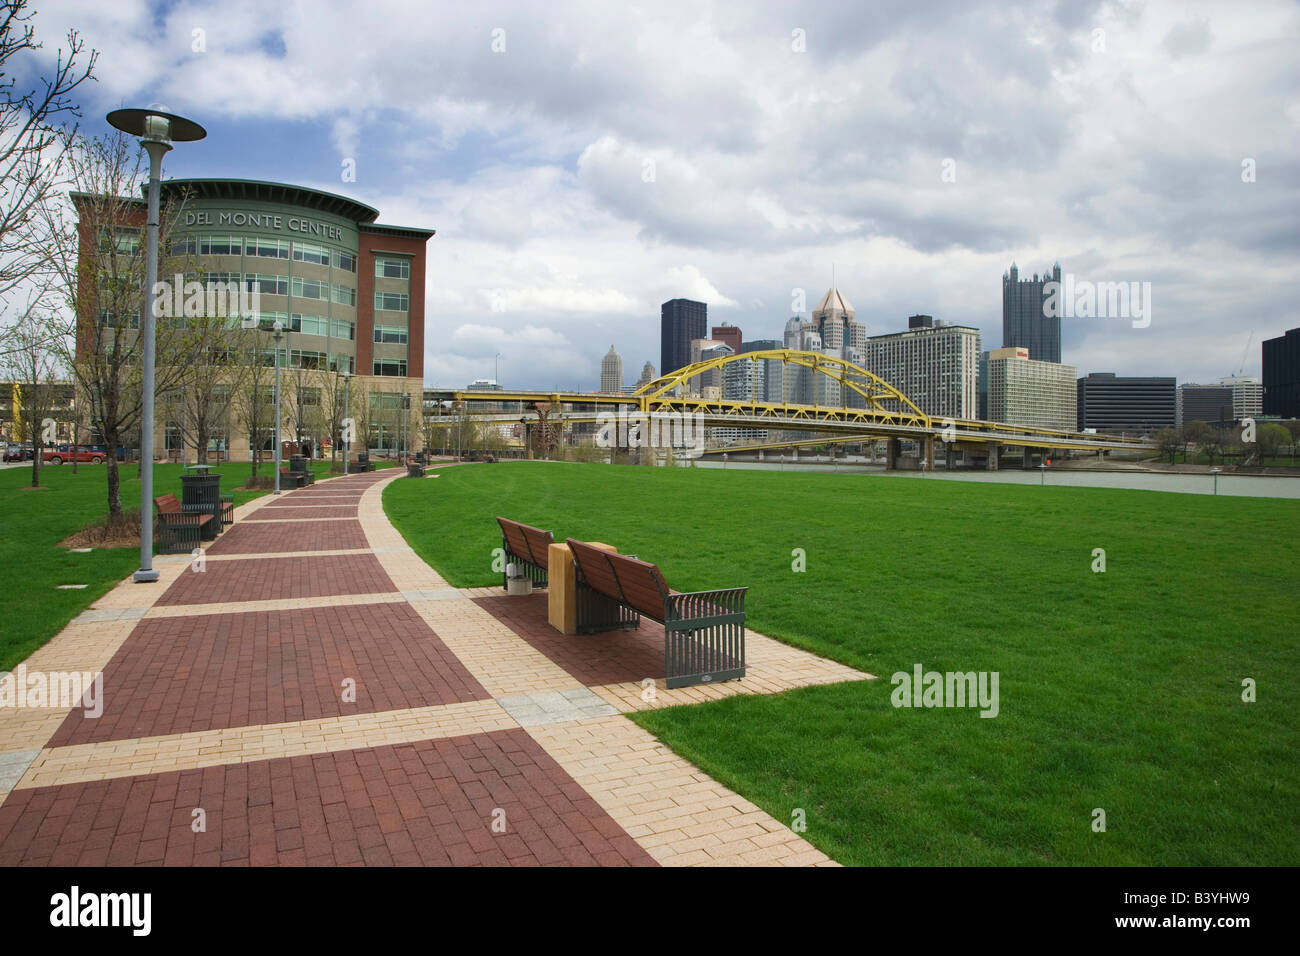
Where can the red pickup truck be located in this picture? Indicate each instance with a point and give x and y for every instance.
(92, 454)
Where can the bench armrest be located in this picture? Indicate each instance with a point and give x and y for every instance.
(697, 605)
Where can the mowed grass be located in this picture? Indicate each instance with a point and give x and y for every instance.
(33, 522)
(1119, 691)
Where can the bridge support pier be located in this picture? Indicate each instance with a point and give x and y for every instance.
(950, 455)
(994, 449)
(1028, 458)
(891, 454)
(927, 453)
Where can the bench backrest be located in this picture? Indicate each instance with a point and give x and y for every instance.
(636, 583)
(527, 542)
(167, 505)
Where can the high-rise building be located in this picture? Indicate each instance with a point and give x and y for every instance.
(730, 334)
(1108, 402)
(764, 376)
(835, 320)
(1034, 394)
(1282, 375)
(1247, 395)
(708, 384)
(1024, 322)
(1203, 403)
(647, 375)
(681, 321)
(935, 365)
(611, 372)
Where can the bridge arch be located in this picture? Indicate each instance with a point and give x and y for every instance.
(877, 394)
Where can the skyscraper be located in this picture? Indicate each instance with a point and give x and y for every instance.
(1282, 375)
(611, 372)
(680, 322)
(1024, 324)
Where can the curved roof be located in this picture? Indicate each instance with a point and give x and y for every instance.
(258, 191)
(833, 301)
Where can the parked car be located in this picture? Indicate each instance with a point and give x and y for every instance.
(14, 452)
(91, 454)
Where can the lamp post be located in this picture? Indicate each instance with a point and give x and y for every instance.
(157, 131)
(277, 332)
(1215, 473)
(347, 411)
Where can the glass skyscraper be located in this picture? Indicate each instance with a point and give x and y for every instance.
(1024, 324)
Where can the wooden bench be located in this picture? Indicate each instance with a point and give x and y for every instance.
(414, 469)
(704, 631)
(179, 532)
(288, 477)
(526, 546)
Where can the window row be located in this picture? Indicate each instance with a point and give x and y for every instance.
(392, 334)
(256, 246)
(390, 367)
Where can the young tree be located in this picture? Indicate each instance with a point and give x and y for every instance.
(256, 396)
(1170, 442)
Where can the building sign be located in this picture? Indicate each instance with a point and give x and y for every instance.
(264, 220)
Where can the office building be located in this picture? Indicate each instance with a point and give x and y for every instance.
(1022, 391)
(728, 334)
(1282, 375)
(1203, 403)
(347, 290)
(611, 372)
(1108, 402)
(1024, 323)
(1247, 395)
(647, 375)
(933, 364)
(681, 321)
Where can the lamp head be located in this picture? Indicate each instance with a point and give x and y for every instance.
(156, 126)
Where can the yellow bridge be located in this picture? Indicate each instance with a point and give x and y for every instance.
(868, 409)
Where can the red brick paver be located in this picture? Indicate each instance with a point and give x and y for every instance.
(183, 674)
(276, 579)
(427, 803)
(278, 536)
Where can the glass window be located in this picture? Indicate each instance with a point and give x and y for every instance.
(185, 246)
(311, 324)
(309, 252)
(268, 284)
(343, 295)
(220, 245)
(342, 363)
(342, 329)
(345, 261)
(390, 367)
(390, 334)
(388, 268)
(267, 248)
(392, 301)
(310, 288)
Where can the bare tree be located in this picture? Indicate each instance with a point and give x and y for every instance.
(94, 243)
(33, 138)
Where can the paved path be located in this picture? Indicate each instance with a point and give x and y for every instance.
(312, 693)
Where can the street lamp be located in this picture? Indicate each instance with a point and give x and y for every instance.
(347, 411)
(157, 131)
(1215, 473)
(277, 332)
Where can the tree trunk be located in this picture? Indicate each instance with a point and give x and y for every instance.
(114, 482)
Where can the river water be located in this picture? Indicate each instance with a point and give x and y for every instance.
(1246, 486)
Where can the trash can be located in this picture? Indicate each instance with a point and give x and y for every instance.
(298, 466)
(201, 494)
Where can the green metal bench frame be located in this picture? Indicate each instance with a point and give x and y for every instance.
(704, 631)
(527, 546)
(179, 532)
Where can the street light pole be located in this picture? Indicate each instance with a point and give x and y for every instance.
(277, 333)
(156, 130)
(347, 411)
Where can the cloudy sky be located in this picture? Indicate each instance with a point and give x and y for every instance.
(582, 163)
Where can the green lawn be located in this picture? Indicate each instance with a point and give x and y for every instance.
(33, 522)
(1118, 690)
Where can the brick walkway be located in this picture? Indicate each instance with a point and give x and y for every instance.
(312, 693)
